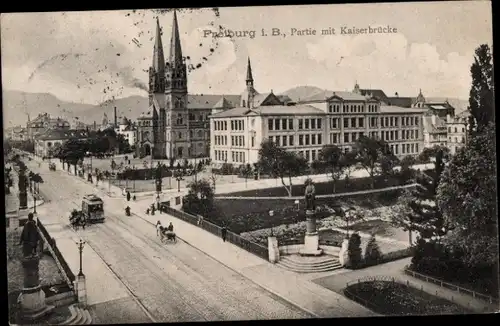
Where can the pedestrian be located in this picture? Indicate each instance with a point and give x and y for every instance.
(158, 228)
(200, 218)
(128, 195)
(224, 233)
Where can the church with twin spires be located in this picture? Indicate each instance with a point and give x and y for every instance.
(176, 124)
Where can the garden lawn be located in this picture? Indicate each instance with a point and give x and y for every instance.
(322, 188)
(379, 228)
(393, 298)
(244, 215)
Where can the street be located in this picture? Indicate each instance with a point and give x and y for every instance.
(173, 282)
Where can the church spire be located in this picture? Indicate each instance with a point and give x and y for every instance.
(158, 57)
(175, 44)
(249, 72)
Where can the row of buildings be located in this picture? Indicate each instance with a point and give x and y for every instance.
(230, 128)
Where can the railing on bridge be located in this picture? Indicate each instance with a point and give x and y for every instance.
(60, 261)
(231, 237)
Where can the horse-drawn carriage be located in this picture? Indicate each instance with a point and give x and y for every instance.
(92, 212)
(52, 166)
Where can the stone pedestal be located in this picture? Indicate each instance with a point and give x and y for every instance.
(344, 254)
(32, 298)
(81, 289)
(274, 252)
(311, 239)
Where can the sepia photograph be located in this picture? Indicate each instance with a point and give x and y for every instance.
(249, 163)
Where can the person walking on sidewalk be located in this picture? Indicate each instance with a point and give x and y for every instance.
(158, 228)
(128, 195)
(224, 233)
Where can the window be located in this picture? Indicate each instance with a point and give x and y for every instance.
(319, 139)
(283, 124)
(179, 135)
(270, 124)
(333, 123)
(306, 126)
(301, 140)
(253, 141)
(346, 123)
(346, 137)
(353, 122)
(456, 129)
(416, 121)
(301, 122)
(290, 124)
(285, 141)
(313, 139)
(276, 124)
(361, 122)
(318, 123)
(278, 138)
(313, 124)
(290, 140)
(307, 140)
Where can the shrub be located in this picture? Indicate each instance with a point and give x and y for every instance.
(372, 252)
(354, 251)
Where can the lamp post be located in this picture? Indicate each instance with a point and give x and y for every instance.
(34, 204)
(80, 244)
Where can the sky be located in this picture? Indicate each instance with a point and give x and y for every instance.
(93, 56)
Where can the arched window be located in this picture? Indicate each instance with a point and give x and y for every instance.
(199, 134)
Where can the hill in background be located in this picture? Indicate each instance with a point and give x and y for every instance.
(17, 104)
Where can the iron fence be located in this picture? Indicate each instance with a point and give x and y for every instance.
(231, 237)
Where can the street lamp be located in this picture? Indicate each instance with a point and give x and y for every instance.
(34, 204)
(80, 244)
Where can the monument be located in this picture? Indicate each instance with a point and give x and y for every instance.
(311, 241)
(22, 185)
(32, 298)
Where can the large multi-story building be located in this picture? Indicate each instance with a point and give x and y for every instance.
(176, 125)
(338, 118)
(128, 130)
(44, 122)
(53, 137)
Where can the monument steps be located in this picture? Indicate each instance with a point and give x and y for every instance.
(79, 316)
(62, 299)
(298, 265)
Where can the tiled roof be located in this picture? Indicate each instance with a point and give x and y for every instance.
(208, 101)
(270, 110)
(222, 104)
(323, 96)
(58, 134)
(405, 102)
(399, 109)
(378, 93)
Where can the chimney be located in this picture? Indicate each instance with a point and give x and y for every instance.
(116, 121)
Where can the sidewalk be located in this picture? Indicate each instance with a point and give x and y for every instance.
(396, 269)
(102, 284)
(310, 297)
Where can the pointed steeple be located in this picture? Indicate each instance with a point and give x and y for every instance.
(249, 72)
(158, 57)
(175, 44)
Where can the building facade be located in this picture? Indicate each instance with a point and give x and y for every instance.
(44, 142)
(44, 122)
(128, 130)
(338, 118)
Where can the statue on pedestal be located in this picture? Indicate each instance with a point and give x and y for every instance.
(310, 196)
(23, 195)
(32, 297)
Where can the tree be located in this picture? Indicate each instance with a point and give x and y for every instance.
(199, 199)
(213, 178)
(406, 172)
(429, 153)
(370, 152)
(467, 198)
(331, 157)
(246, 172)
(72, 151)
(388, 164)
(354, 251)
(280, 163)
(348, 160)
(372, 251)
(481, 105)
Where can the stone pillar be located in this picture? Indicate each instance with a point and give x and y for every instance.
(344, 254)
(81, 290)
(32, 298)
(273, 249)
(311, 240)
